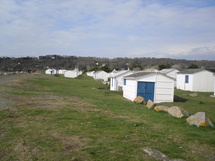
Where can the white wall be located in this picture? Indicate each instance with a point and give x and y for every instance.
(147, 78)
(164, 89)
(48, 71)
(90, 73)
(101, 75)
(203, 82)
(130, 89)
(189, 86)
(61, 71)
(120, 82)
(214, 85)
(71, 74)
(172, 74)
(181, 82)
(105, 76)
(113, 84)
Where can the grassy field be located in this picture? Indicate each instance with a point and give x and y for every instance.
(56, 118)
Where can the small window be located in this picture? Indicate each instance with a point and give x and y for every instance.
(186, 78)
(124, 81)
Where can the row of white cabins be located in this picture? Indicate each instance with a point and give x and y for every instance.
(67, 73)
(157, 86)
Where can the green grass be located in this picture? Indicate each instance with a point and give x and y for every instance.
(80, 119)
(201, 103)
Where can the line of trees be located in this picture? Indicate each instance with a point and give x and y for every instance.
(93, 63)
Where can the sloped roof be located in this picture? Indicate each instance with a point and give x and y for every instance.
(120, 73)
(114, 71)
(50, 69)
(135, 75)
(150, 70)
(165, 71)
(192, 71)
(71, 71)
(99, 72)
(139, 74)
(91, 72)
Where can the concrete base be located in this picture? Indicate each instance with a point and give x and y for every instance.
(212, 95)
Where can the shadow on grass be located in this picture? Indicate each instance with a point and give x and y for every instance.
(104, 88)
(179, 99)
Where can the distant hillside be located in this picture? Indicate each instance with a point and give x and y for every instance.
(94, 63)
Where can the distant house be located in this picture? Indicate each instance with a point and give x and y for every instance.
(90, 73)
(116, 80)
(171, 73)
(72, 73)
(101, 75)
(112, 73)
(62, 71)
(51, 71)
(199, 80)
(153, 86)
(150, 70)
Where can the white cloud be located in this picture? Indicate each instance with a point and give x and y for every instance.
(106, 28)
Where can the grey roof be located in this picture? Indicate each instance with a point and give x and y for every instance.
(165, 71)
(191, 71)
(150, 70)
(211, 69)
(120, 73)
(99, 71)
(139, 74)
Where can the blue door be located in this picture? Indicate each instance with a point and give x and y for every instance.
(146, 90)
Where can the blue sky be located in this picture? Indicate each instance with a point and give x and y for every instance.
(182, 29)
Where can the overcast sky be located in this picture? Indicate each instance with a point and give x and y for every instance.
(183, 29)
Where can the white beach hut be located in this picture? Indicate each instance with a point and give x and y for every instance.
(112, 73)
(91, 73)
(72, 73)
(199, 80)
(150, 70)
(116, 80)
(101, 75)
(153, 86)
(62, 71)
(50, 71)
